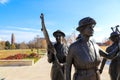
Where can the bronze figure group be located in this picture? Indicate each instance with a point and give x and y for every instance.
(84, 54)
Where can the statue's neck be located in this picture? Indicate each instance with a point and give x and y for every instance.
(85, 38)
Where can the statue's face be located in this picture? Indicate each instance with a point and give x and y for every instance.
(59, 38)
(89, 30)
(115, 38)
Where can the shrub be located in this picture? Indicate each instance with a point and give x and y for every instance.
(22, 56)
(34, 55)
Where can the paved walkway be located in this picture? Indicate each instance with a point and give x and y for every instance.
(39, 71)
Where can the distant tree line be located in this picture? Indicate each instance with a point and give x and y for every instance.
(37, 43)
(40, 43)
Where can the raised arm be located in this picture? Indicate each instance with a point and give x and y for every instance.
(50, 47)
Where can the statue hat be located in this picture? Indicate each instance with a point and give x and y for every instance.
(58, 32)
(85, 21)
(113, 34)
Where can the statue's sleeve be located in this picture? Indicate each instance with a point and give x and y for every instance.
(50, 56)
(108, 49)
(111, 54)
(102, 64)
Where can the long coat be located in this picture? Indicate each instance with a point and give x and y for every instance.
(86, 59)
(57, 71)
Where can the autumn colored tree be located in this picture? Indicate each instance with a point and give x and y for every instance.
(13, 46)
(23, 45)
(2, 44)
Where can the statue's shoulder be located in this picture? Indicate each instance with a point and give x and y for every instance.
(76, 43)
(79, 41)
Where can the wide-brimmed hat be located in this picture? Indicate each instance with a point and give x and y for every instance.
(113, 34)
(58, 32)
(85, 21)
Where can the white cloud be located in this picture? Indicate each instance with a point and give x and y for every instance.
(0, 39)
(20, 36)
(28, 29)
(98, 29)
(3, 1)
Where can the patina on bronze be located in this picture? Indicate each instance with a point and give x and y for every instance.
(84, 54)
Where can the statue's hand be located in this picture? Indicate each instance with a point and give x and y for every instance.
(100, 71)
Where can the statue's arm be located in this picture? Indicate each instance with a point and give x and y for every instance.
(102, 65)
(50, 56)
(108, 49)
(111, 54)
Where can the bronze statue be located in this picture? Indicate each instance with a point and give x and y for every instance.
(61, 53)
(84, 54)
(114, 68)
(56, 53)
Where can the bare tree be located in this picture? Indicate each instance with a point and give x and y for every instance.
(23, 45)
(2, 45)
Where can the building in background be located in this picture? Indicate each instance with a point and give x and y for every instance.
(13, 39)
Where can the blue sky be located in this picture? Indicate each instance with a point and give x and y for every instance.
(21, 17)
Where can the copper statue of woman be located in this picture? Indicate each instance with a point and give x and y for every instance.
(85, 55)
(114, 68)
(57, 72)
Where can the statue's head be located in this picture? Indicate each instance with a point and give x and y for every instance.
(85, 21)
(58, 33)
(113, 35)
